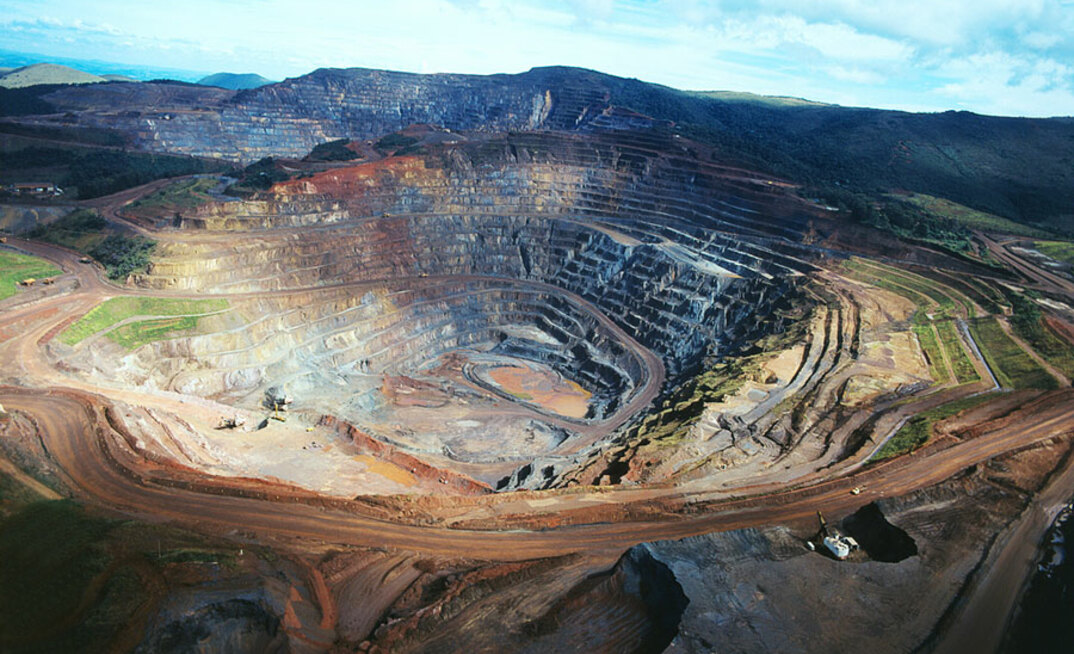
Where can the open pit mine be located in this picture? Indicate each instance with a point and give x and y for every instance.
(522, 363)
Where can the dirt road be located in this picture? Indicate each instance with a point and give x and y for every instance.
(107, 472)
(79, 441)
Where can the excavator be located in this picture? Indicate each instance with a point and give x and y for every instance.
(276, 415)
(837, 544)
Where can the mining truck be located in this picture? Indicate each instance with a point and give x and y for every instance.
(231, 423)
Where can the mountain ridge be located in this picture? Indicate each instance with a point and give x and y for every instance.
(235, 81)
(46, 73)
(1018, 168)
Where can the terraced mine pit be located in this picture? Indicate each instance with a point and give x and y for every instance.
(445, 386)
(472, 304)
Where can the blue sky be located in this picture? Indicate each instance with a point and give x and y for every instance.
(1005, 57)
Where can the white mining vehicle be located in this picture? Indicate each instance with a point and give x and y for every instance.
(840, 546)
(837, 544)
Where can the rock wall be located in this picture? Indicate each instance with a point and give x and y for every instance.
(684, 254)
(291, 117)
(352, 339)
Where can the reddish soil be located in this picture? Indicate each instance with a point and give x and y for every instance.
(1061, 327)
(543, 387)
(407, 391)
(422, 471)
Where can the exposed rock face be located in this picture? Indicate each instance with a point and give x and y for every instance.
(233, 624)
(574, 254)
(764, 591)
(290, 118)
(683, 254)
(635, 608)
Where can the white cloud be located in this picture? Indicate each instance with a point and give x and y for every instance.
(997, 82)
(587, 10)
(854, 74)
(899, 53)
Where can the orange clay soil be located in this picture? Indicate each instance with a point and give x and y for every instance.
(544, 388)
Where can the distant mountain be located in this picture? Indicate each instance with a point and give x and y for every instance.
(139, 72)
(235, 81)
(1016, 168)
(772, 100)
(119, 78)
(35, 74)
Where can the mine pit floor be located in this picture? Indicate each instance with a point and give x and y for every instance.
(538, 384)
(318, 460)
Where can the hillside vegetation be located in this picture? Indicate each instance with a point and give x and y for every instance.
(1014, 168)
(46, 74)
(86, 163)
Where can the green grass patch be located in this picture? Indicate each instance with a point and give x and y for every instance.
(135, 334)
(918, 430)
(988, 301)
(922, 328)
(15, 267)
(119, 309)
(971, 217)
(937, 303)
(1058, 250)
(174, 198)
(1056, 350)
(998, 299)
(956, 354)
(1009, 362)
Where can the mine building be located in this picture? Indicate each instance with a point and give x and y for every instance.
(37, 189)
